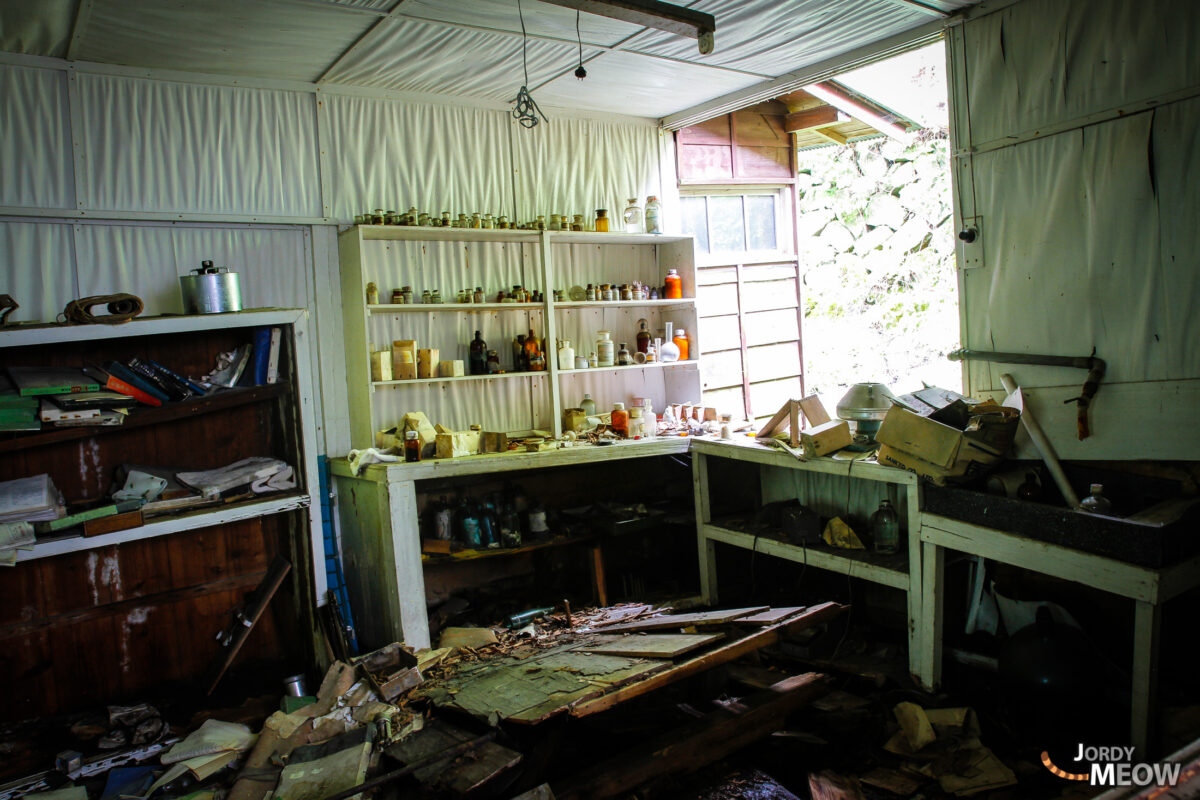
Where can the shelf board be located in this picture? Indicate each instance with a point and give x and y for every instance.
(163, 526)
(613, 237)
(473, 555)
(651, 365)
(141, 416)
(685, 301)
(414, 233)
(500, 376)
(393, 308)
(888, 570)
(26, 335)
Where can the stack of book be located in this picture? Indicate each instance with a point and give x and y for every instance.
(17, 412)
(23, 502)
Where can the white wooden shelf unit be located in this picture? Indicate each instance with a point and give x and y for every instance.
(449, 260)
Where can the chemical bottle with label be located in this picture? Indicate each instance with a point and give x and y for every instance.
(620, 420)
(478, 355)
(653, 223)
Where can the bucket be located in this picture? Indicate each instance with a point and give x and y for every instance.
(210, 290)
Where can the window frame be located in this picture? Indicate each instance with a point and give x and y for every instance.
(785, 241)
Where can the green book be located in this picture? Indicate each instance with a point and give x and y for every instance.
(11, 398)
(51, 380)
(17, 414)
(74, 520)
(31, 425)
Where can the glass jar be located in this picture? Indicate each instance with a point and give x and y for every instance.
(436, 297)
(412, 446)
(476, 220)
(1096, 502)
(602, 220)
(620, 420)
(502, 222)
(637, 427)
(377, 216)
(477, 295)
(489, 221)
(674, 285)
(426, 297)
(681, 341)
(423, 220)
(633, 216)
(566, 355)
(623, 357)
(593, 361)
(590, 294)
(588, 405)
(445, 219)
(653, 222)
(493, 363)
(885, 528)
(604, 349)
(577, 222)
(541, 222)
(360, 219)
(407, 293)
(372, 294)
(555, 223)
(626, 292)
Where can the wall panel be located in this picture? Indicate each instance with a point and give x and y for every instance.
(35, 139)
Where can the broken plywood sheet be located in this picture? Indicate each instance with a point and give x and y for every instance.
(334, 773)
(534, 689)
(770, 616)
(651, 645)
(697, 619)
(466, 772)
(467, 637)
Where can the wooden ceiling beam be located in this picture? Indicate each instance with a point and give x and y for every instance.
(818, 117)
(829, 134)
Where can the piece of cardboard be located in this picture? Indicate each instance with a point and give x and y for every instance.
(821, 440)
(417, 421)
(427, 362)
(404, 359)
(941, 453)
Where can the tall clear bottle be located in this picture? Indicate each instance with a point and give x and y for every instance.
(633, 216)
(885, 528)
(653, 220)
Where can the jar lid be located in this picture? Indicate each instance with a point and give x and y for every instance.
(618, 406)
(411, 434)
(636, 412)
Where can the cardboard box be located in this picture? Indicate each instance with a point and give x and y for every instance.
(944, 454)
(457, 443)
(381, 365)
(821, 440)
(449, 369)
(574, 419)
(427, 362)
(404, 359)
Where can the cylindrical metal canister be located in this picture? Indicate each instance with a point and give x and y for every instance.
(210, 293)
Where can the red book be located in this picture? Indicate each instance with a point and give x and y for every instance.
(109, 381)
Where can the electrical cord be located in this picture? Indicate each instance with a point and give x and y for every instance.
(525, 110)
(121, 309)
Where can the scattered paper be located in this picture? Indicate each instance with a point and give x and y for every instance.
(214, 736)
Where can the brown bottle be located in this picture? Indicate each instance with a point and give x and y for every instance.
(643, 337)
(478, 355)
(519, 363)
(532, 352)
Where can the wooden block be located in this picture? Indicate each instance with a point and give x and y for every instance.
(493, 442)
(381, 365)
(770, 616)
(825, 439)
(440, 546)
(427, 362)
(449, 369)
(404, 351)
(116, 522)
(457, 444)
(814, 411)
(405, 371)
(654, 645)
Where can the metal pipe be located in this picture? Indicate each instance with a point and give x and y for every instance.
(1043, 444)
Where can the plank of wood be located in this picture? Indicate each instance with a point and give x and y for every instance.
(770, 616)
(618, 615)
(755, 641)
(654, 645)
(696, 744)
(466, 773)
(830, 786)
(676, 621)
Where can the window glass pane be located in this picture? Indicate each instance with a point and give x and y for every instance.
(695, 221)
(725, 224)
(760, 222)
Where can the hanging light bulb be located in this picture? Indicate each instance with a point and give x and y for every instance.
(580, 72)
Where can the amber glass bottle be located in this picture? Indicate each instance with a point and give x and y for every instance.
(620, 419)
(681, 341)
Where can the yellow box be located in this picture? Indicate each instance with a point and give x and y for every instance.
(941, 453)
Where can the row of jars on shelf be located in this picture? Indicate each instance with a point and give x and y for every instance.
(633, 220)
(529, 354)
(608, 292)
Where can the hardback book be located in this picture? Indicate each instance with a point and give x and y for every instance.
(51, 380)
(104, 400)
(112, 382)
(124, 373)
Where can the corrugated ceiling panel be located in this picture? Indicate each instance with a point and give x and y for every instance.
(1018, 83)
(157, 146)
(37, 261)
(390, 155)
(147, 260)
(264, 38)
(540, 19)
(35, 139)
(575, 166)
(39, 29)
(772, 38)
(378, 5)
(420, 57)
(640, 86)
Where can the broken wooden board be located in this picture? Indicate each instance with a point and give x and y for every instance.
(770, 616)
(697, 619)
(830, 786)
(652, 645)
(620, 614)
(695, 744)
(464, 773)
(894, 781)
(721, 655)
(533, 689)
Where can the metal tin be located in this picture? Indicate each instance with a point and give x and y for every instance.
(210, 291)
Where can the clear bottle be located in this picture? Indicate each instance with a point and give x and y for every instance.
(493, 363)
(1096, 502)
(633, 216)
(620, 420)
(566, 355)
(674, 285)
(412, 446)
(443, 518)
(602, 220)
(588, 405)
(593, 361)
(681, 341)
(653, 222)
(668, 350)
(637, 423)
(489, 221)
(604, 349)
(649, 420)
(590, 295)
(643, 337)
(476, 220)
(477, 295)
(885, 528)
(577, 222)
(478, 355)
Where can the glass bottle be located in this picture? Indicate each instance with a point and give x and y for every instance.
(590, 296)
(649, 421)
(643, 337)
(620, 420)
(577, 222)
(372, 294)
(1096, 502)
(489, 221)
(541, 222)
(653, 222)
(477, 296)
(412, 446)
(566, 355)
(668, 350)
(445, 219)
(623, 357)
(468, 525)
(493, 363)
(519, 362)
(426, 296)
(423, 220)
(602, 220)
(633, 216)
(510, 527)
(377, 216)
(436, 296)
(555, 223)
(538, 527)
(674, 285)
(593, 361)
(604, 349)
(681, 341)
(588, 405)
(636, 422)
(478, 355)
(885, 528)
(443, 519)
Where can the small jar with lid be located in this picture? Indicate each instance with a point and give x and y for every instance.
(620, 420)
(377, 216)
(602, 220)
(489, 221)
(555, 223)
(624, 359)
(435, 296)
(637, 422)
(477, 295)
(426, 297)
(412, 446)
(391, 218)
(372, 294)
(360, 219)
(626, 291)
(493, 363)
(502, 223)
(604, 349)
(541, 222)
(577, 222)
(476, 220)
(590, 294)
(446, 219)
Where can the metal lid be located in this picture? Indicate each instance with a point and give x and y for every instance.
(865, 401)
